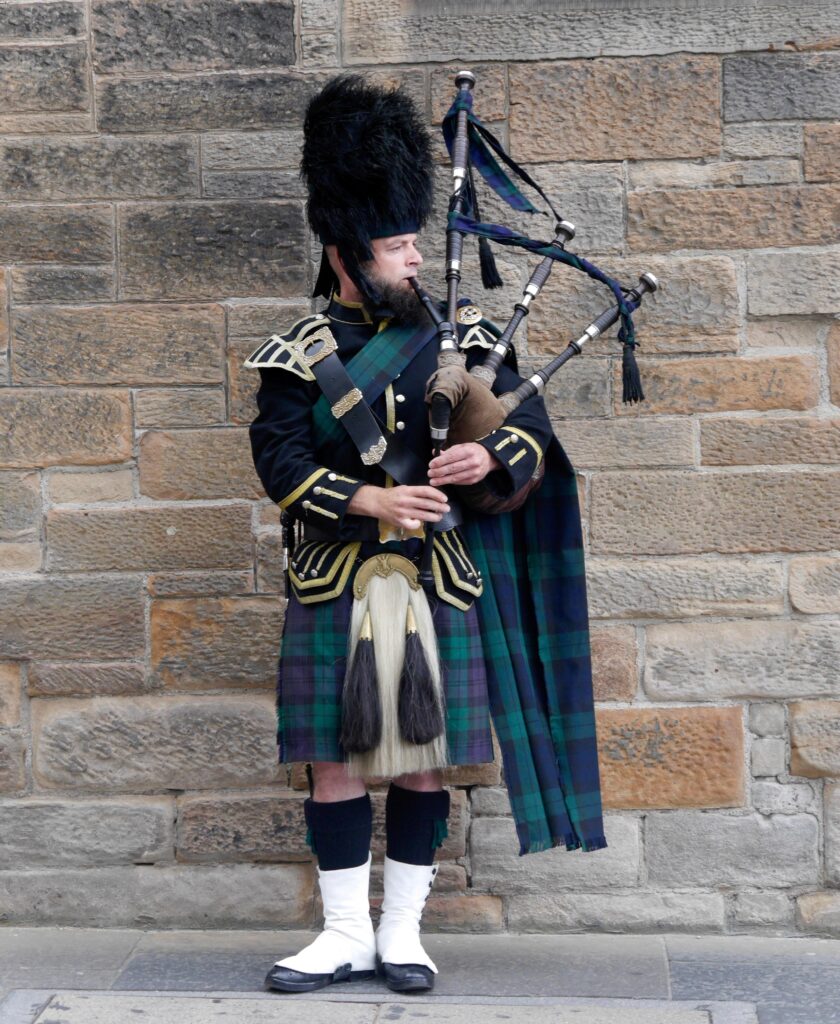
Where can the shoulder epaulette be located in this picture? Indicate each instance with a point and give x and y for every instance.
(285, 351)
(478, 335)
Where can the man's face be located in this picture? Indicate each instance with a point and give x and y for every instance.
(395, 260)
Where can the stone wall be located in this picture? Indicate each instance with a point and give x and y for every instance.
(152, 232)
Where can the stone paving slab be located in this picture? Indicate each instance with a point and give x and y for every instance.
(488, 965)
(786, 991)
(197, 1008)
(66, 957)
(727, 948)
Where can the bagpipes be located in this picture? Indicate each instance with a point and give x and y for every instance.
(462, 405)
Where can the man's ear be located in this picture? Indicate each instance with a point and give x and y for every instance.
(336, 262)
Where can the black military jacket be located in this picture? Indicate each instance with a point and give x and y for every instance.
(315, 485)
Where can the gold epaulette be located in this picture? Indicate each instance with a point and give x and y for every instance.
(286, 351)
(478, 336)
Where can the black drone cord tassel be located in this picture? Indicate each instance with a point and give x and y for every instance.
(490, 277)
(631, 380)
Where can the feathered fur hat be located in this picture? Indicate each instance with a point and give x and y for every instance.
(367, 164)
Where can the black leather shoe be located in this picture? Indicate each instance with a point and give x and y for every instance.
(284, 979)
(407, 977)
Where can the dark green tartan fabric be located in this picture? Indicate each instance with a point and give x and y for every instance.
(535, 636)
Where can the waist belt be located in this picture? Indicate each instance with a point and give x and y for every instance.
(377, 445)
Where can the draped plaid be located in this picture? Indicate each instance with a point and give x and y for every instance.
(535, 635)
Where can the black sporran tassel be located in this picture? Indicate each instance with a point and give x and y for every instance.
(361, 712)
(420, 713)
(631, 381)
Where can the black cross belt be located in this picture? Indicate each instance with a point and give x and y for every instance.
(377, 445)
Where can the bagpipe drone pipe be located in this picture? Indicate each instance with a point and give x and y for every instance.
(462, 404)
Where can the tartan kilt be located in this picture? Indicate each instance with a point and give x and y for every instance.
(310, 675)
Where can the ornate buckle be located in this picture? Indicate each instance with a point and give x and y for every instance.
(385, 565)
(316, 346)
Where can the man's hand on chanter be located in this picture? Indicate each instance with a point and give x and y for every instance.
(462, 464)
(402, 506)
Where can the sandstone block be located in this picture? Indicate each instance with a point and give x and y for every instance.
(712, 848)
(727, 513)
(249, 826)
(9, 693)
(20, 506)
(43, 427)
(779, 283)
(498, 868)
(471, 914)
(86, 679)
(33, 233)
(207, 537)
(5, 281)
(832, 832)
(755, 442)
(200, 584)
(679, 588)
(176, 742)
(701, 173)
(165, 896)
(319, 49)
(815, 585)
(88, 487)
(44, 78)
(787, 332)
(488, 773)
(762, 139)
(253, 320)
(770, 797)
(187, 464)
(491, 86)
(12, 777)
(203, 102)
(228, 151)
(611, 444)
(779, 86)
(833, 351)
(252, 184)
(768, 756)
(671, 757)
(767, 719)
(432, 30)
(99, 167)
(581, 389)
(636, 912)
(717, 661)
(126, 343)
(592, 102)
(732, 218)
(763, 910)
(821, 154)
(270, 562)
(63, 284)
(216, 642)
(490, 802)
(79, 617)
(191, 36)
(211, 248)
(815, 738)
(818, 912)
(614, 653)
(41, 21)
(698, 311)
(25, 557)
(39, 832)
(179, 407)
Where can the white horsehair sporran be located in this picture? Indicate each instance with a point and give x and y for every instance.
(393, 705)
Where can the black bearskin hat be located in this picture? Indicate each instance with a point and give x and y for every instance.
(367, 164)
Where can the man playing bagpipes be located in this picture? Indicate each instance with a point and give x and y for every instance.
(415, 613)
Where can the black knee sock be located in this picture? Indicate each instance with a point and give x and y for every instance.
(415, 824)
(339, 832)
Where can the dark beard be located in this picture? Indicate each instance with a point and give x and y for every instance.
(400, 301)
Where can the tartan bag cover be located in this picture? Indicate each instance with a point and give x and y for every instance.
(535, 633)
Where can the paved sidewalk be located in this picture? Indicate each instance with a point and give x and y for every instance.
(89, 976)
